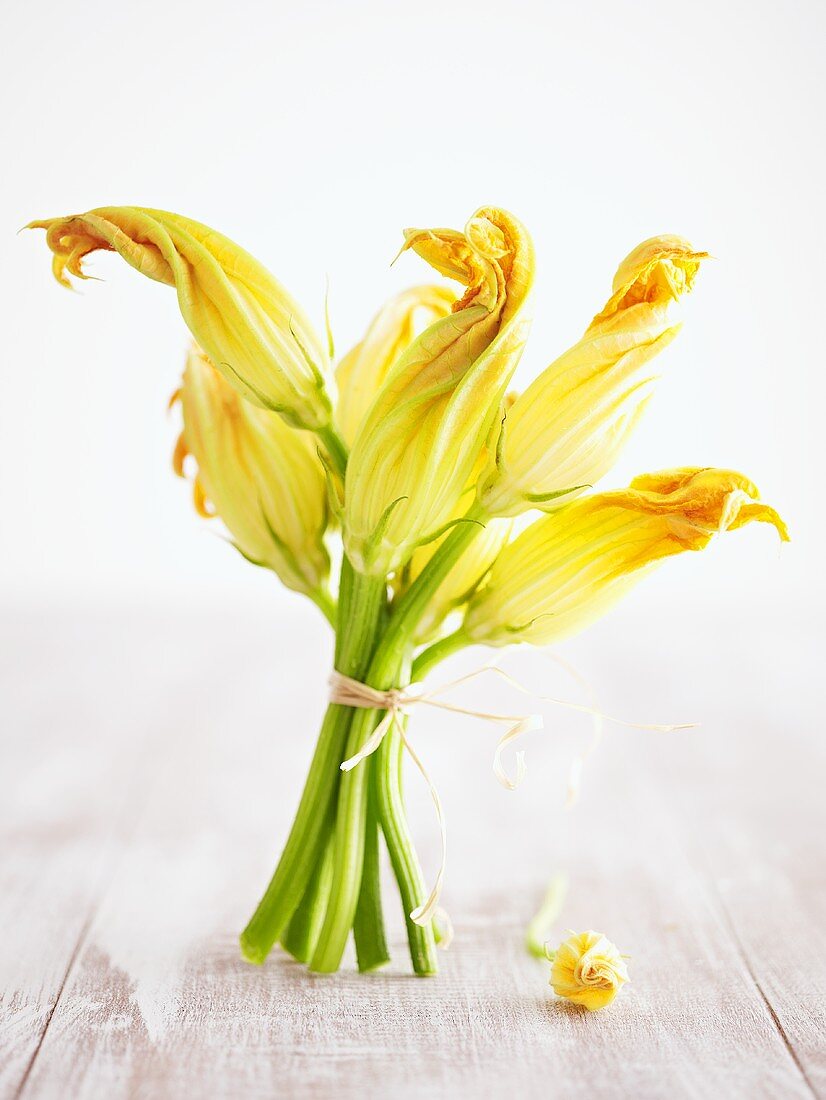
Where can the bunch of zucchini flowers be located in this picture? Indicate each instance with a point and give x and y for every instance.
(466, 514)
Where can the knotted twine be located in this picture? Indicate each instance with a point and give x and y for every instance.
(397, 704)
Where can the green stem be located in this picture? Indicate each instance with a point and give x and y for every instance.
(335, 447)
(301, 934)
(394, 820)
(348, 859)
(383, 673)
(368, 924)
(362, 602)
(539, 928)
(436, 653)
(326, 605)
(412, 605)
(403, 853)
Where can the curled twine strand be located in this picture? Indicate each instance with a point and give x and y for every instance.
(397, 703)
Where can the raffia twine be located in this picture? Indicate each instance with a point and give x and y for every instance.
(397, 703)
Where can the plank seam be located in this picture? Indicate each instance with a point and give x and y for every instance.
(707, 873)
(122, 834)
(732, 929)
(120, 838)
(84, 933)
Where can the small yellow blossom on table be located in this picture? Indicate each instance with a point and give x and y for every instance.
(588, 970)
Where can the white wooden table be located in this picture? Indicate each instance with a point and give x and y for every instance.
(150, 768)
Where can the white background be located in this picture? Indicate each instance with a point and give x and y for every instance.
(312, 134)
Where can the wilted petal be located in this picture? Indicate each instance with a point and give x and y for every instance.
(251, 328)
(566, 569)
(588, 970)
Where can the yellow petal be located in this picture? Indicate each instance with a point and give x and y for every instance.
(200, 501)
(364, 370)
(179, 455)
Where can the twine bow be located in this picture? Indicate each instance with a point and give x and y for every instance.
(398, 702)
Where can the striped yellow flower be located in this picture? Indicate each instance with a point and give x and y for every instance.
(416, 447)
(250, 327)
(566, 429)
(260, 476)
(568, 568)
(364, 370)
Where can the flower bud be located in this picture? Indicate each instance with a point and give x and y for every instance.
(418, 443)
(567, 428)
(568, 568)
(246, 322)
(260, 476)
(588, 970)
(364, 370)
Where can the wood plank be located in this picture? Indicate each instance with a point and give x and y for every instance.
(765, 855)
(80, 747)
(159, 1003)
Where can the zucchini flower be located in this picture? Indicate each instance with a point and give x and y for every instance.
(417, 445)
(364, 370)
(261, 477)
(566, 430)
(567, 569)
(246, 322)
